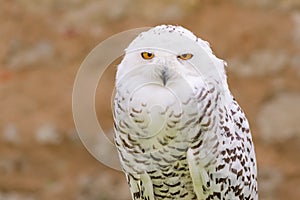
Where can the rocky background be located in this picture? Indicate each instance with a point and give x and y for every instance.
(44, 42)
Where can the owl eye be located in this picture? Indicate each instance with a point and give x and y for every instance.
(147, 55)
(185, 56)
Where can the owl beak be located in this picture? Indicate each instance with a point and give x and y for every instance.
(164, 75)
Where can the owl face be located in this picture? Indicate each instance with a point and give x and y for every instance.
(158, 66)
(169, 56)
(158, 78)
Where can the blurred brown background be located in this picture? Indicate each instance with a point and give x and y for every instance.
(44, 42)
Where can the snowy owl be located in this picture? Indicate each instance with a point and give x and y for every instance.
(179, 132)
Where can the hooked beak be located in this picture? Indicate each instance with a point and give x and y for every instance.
(164, 75)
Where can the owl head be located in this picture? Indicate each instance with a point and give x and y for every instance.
(168, 55)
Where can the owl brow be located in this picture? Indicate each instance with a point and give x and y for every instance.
(150, 49)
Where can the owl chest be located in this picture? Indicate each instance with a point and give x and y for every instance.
(149, 155)
(164, 150)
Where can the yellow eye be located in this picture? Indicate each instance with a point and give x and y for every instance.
(185, 56)
(147, 55)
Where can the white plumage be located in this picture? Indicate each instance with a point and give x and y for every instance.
(179, 132)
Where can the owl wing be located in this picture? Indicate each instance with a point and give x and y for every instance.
(141, 187)
(201, 181)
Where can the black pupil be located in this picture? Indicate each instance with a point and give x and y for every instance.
(184, 55)
(149, 54)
